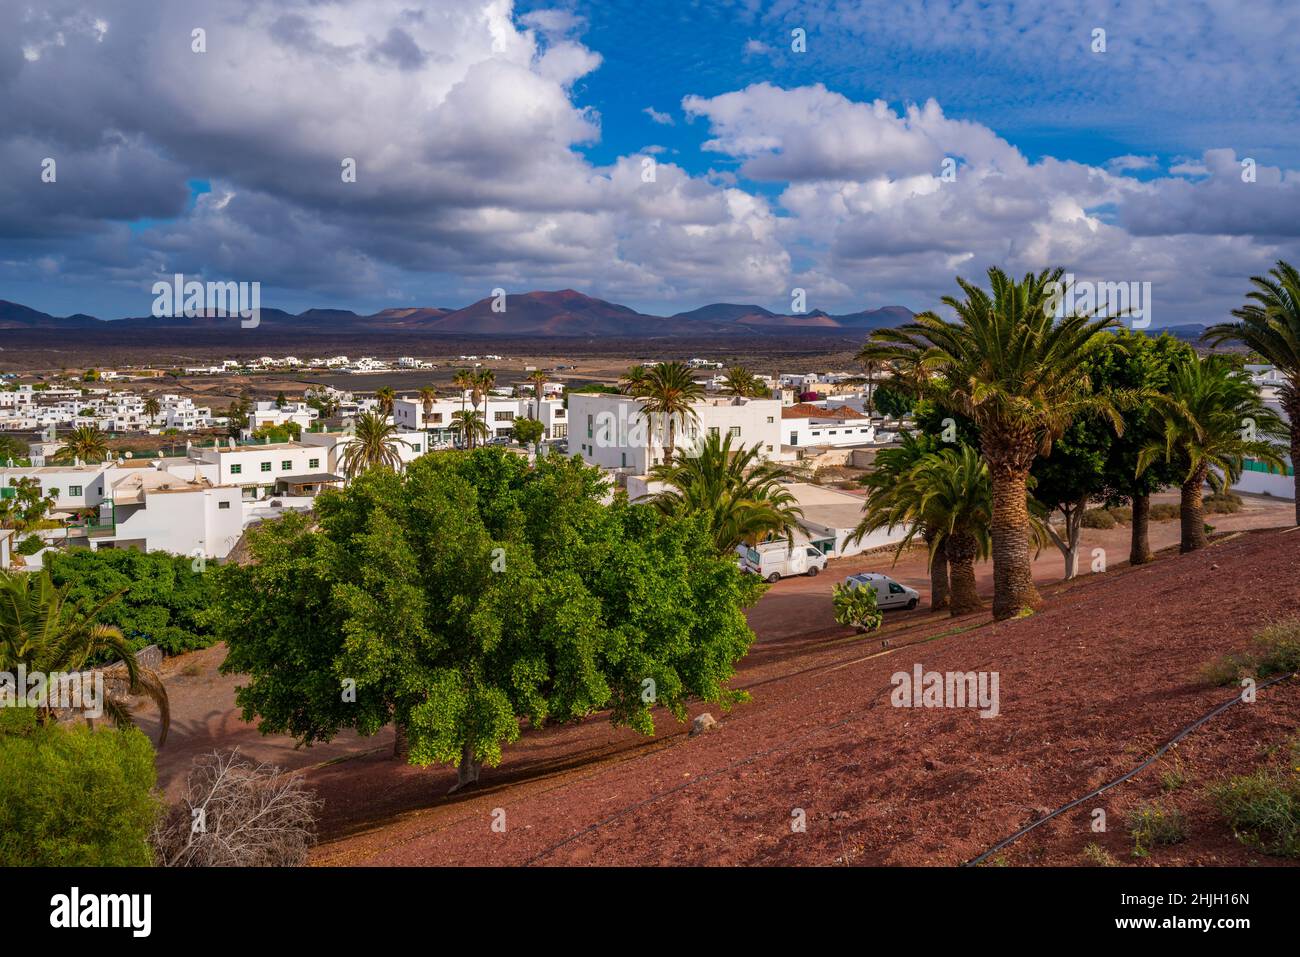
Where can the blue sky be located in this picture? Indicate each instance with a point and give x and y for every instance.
(504, 145)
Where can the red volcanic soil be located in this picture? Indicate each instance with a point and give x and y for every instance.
(1091, 685)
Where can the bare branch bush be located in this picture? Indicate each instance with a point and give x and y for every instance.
(238, 814)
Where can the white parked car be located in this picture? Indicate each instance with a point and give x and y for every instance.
(773, 561)
(889, 593)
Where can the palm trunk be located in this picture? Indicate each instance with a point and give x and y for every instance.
(1139, 552)
(1013, 576)
(961, 550)
(940, 594)
(1193, 514)
(1293, 413)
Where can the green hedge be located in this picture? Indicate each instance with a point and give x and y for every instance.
(72, 797)
(166, 602)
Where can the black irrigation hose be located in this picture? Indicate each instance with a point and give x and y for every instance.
(1120, 780)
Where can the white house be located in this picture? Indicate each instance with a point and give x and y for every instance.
(806, 424)
(611, 431)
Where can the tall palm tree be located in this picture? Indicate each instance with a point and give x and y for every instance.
(85, 442)
(463, 379)
(386, 397)
(743, 496)
(152, 408)
(889, 505)
(872, 365)
(668, 394)
(1007, 364)
(427, 396)
(481, 385)
(471, 426)
(740, 381)
(1270, 325)
(538, 380)
(1213, 419)
(44, 632)
(634, 378)
(374, 445)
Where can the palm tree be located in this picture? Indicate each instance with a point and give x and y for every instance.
(872, 366)
(85, 442)
(1008, 365)
(427, 396)
(889, 506)
(1271, 326)
(374, 445)
(743, 496)
(740, 381)
(471, 426)
(481, 385)
(1213, 419)
(386, 397)
(538, 379)
(955, 498)
(634, 379)
(463, 379)
(668, 393)
(44, 632)
(152, 407)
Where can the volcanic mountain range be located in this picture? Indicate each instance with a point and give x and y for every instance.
(564, 313)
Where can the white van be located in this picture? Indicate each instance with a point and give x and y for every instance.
(889, 593)
(775, 560)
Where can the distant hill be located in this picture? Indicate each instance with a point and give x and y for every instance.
(559, 314)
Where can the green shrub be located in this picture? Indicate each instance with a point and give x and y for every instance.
(1098, 856)
(1121, 513)
(1228, 670)
(1223, 502)
(73, 797)
(1098, 518)
(1164, 511)
(1153, 825)
(856, 607)
(166, 602)
(1263, 810)
(1277, 648)
(30, 545)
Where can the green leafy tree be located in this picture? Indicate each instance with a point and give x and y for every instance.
(27, 507)
(892, 402)
(1213, 419)
(743, 498)
(73, 797)
(528, 431)
(474, 592)
(1012, 368)
(285, 432)
(163, 600)
(280, 400)
(11, 448)
(855, 607)
(1141, 365)
(1270, 326)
